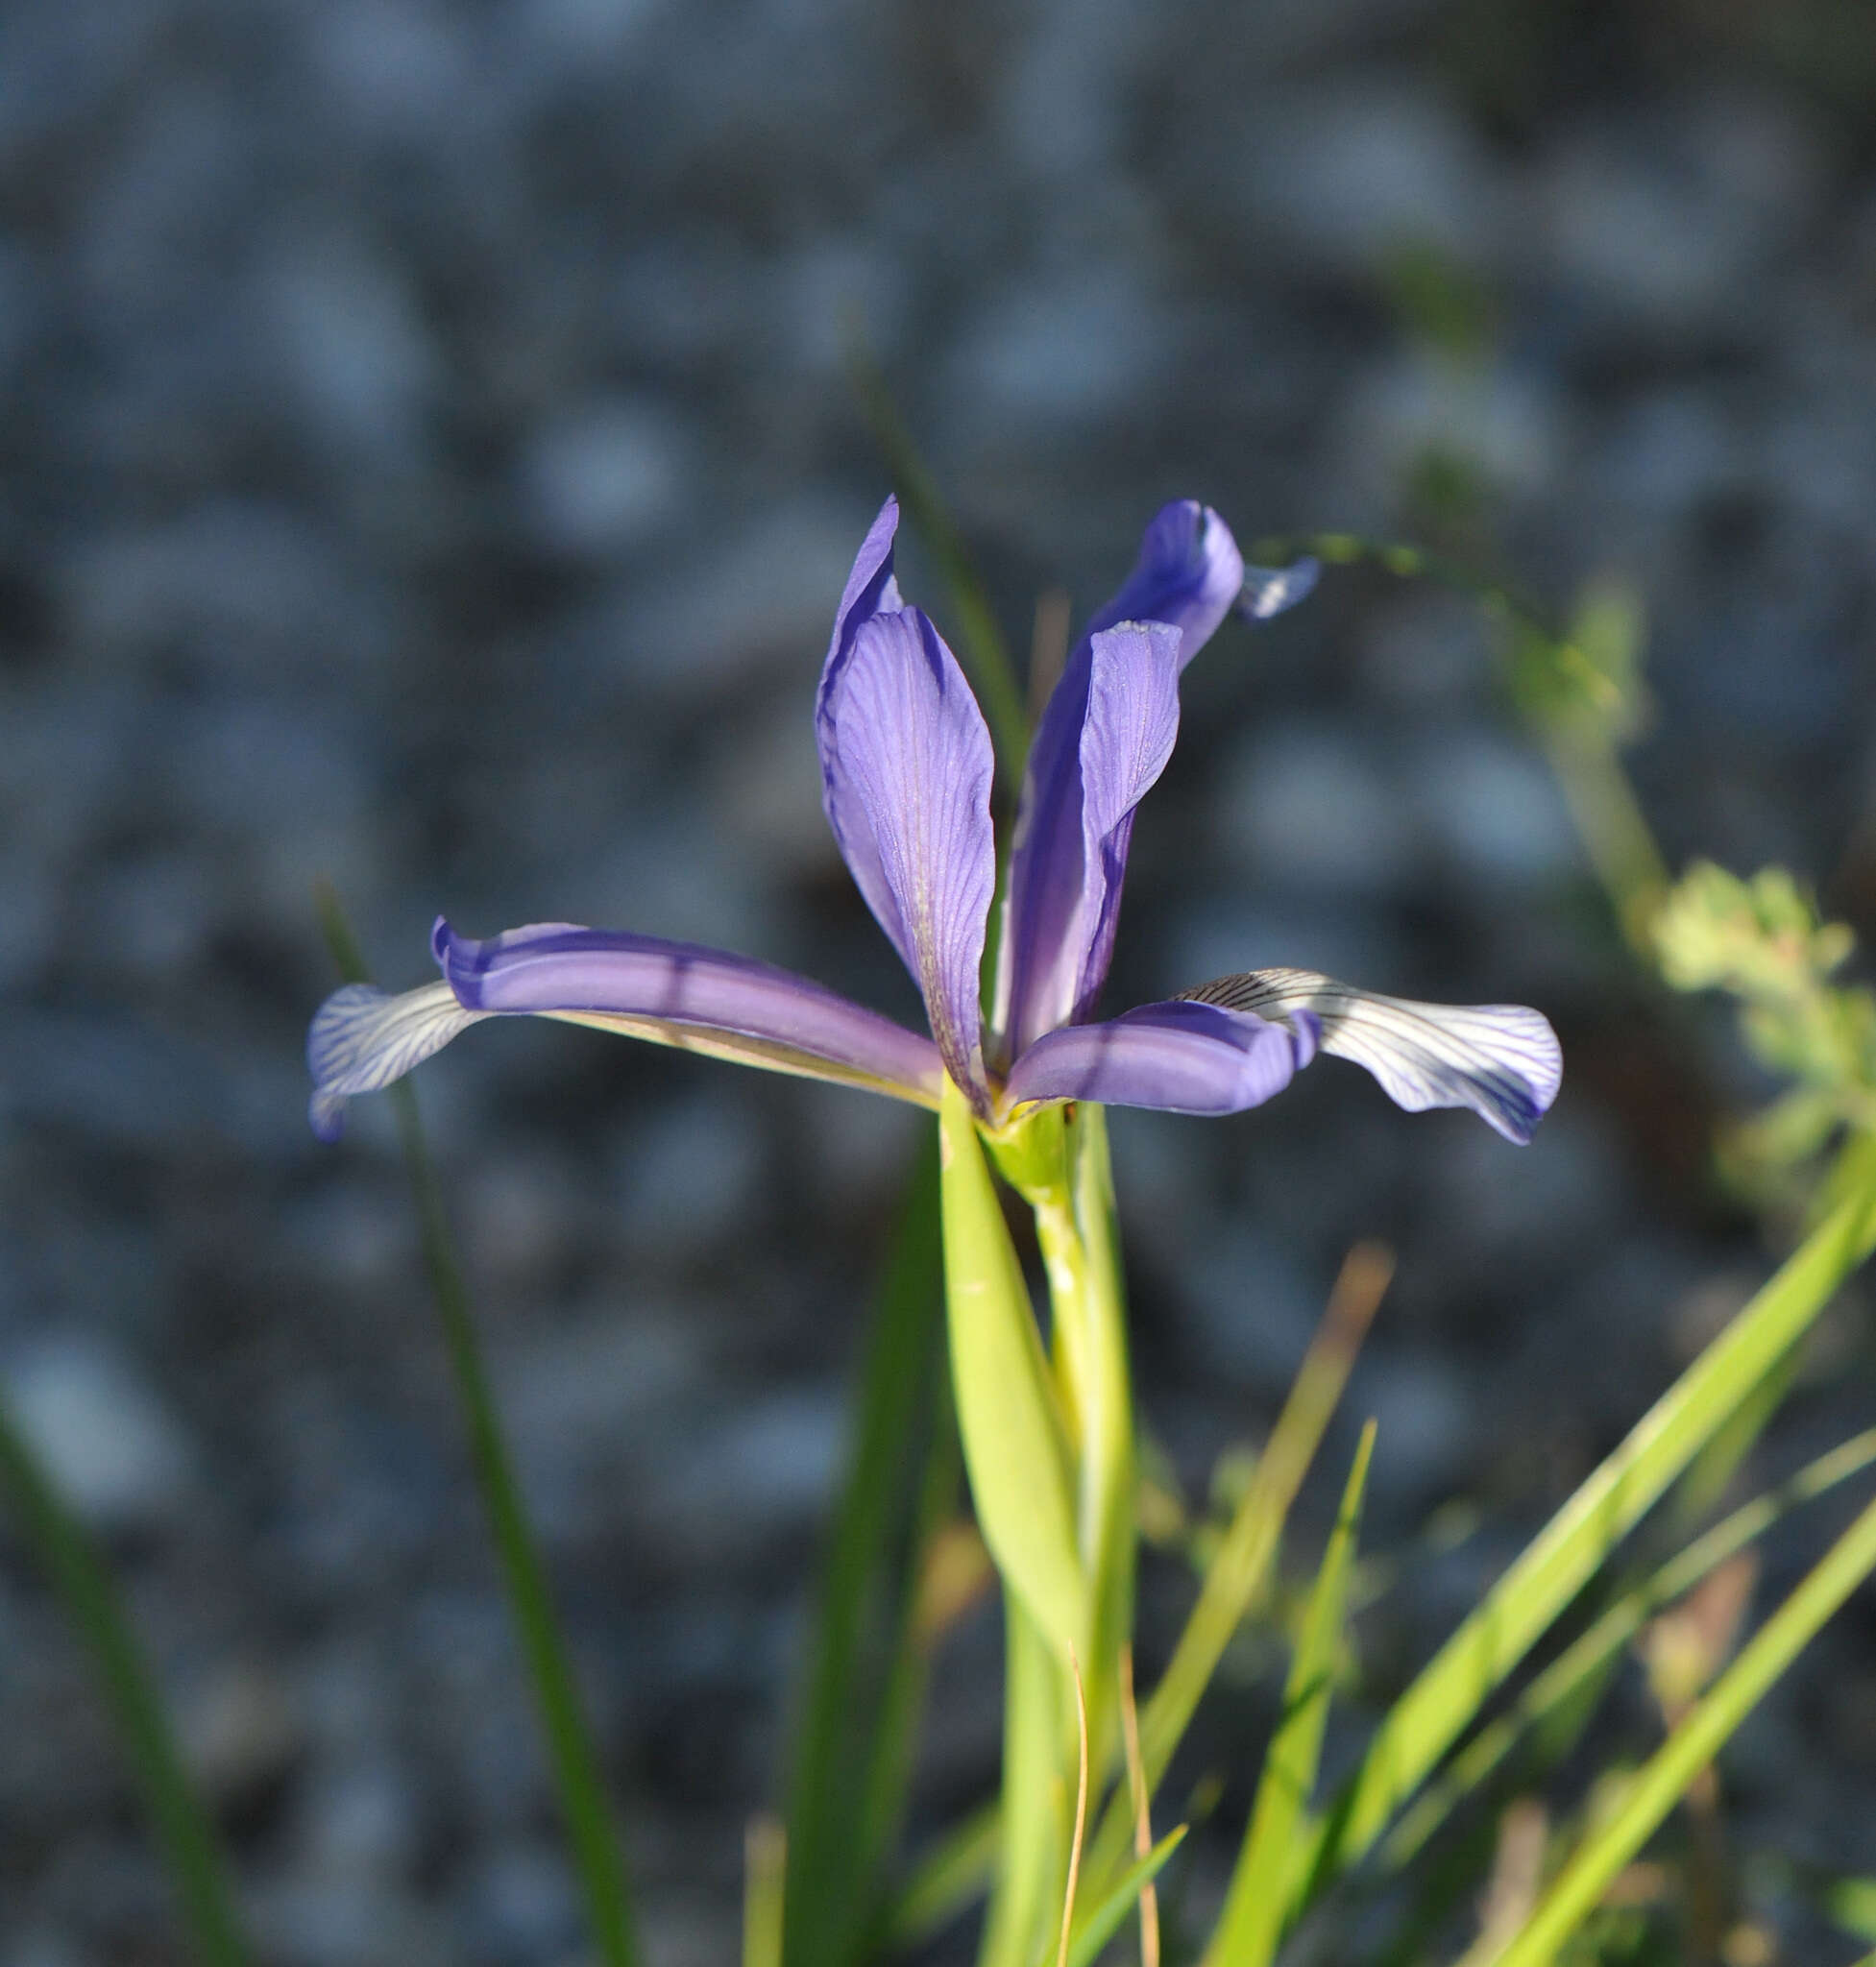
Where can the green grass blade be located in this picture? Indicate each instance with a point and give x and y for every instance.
(985, 654)
(764, 1872)
(1257, 1899)
(572, 1753)
(1430, 1716)
(1663, 1779)
(1569, 1675)
(91, 1596)
(851, 1761)
(1250, 1542)
(1093, 1930)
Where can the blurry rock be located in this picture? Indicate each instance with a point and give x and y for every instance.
(1251, 1309)
(349, 341)
(345, 1922)
(1346, 175)
(1500, 428)
(1425, 649)
(358, 1821)
(1048, 353)
(583, 1402)
(764, 1469)
(239, 1731)
(693, 1174)
(758, 594)
(605, 476)
(26, 917)
(1426, 1426)
(107, 1441)
(1493, 809)
(1668, 449)
(519, 1906)
(1308, 807)
(1666, 224)
(243, 587)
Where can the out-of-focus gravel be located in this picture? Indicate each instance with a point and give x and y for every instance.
(426, 459)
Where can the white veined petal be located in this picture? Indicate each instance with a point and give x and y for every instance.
(362, 1038)
(1502, 1060)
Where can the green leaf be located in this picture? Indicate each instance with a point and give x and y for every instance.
(1258, 1897)
(1014, 1448)
(1576, 1669)
(1663, 1779)
(573, 1753)
(866, 1673)
(1430, 1716)
(1098, 1926)
(84, 1582)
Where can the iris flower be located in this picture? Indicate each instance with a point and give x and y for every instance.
(906, 780)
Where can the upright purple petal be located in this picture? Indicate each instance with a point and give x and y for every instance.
(1178, 1057)
(871, 590)
(906, 765)
(1188, 574)
(1059, 929)
(1502, 1060)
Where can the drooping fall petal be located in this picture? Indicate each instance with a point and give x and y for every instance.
(1502, 1060)
(643, 987)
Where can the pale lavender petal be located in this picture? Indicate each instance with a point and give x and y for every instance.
(1502, 1060)
(1179, 1057)
(1272, 590)
(871, 590)
(701, 1000)
(907, 766)
(1057, 935)
(361, 1039)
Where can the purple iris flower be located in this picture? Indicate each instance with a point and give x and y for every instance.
(906, 777)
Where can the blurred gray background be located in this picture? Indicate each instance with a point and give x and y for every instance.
(426, 459)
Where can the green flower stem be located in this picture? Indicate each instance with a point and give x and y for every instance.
(1038, 1757)
(573, 1753)
(84, 1582)
(1076, 1230)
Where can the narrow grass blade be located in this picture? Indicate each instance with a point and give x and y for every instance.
(1571, 1675)
(571, 1752)
(1430, 1716)
(1103, 1919)
(1256, 1902)
(1250, 1542)
(764, 1872)
(1662, 1781)
(1013, 1443)
(865, 1672)
(984, 652)
(79, 1574)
